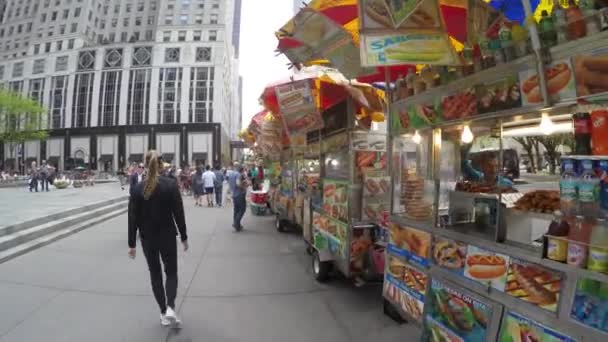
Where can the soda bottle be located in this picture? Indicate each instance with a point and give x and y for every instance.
(603, 175)
(577, 28)
(592, 22)
(567, 188)
(559, 21)
(599, 128)
(557, 243)
(598, 250)
(578, 242)
(588, 190)
(582, 134)
(548, 35)
(506, 42)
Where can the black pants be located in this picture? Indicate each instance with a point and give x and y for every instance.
(167, 251)
(34, 184)
(240, 207)
(45, 183)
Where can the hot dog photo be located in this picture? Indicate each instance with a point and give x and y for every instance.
(591, 73)
(486, 267)
(534, 284)
(560, 83)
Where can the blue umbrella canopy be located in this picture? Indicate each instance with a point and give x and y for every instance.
(514, 9)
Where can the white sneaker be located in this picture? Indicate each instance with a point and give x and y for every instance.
(164, 321)
(172, 316)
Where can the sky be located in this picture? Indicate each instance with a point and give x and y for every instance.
(258, 64)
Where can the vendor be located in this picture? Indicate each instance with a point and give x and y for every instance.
(489, 166)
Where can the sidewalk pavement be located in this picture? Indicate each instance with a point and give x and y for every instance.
(18, 204)
(254, 286)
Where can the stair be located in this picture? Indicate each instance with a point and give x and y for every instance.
(20, 238)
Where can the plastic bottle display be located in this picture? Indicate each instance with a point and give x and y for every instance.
(590, 13)
(520, 39)
(576, 26)
(567, 188)
(506, 42)
(559, 21)
(578, 241)
(548, 35)
(599, 128)
(588, 190)
(582, 134)
(603, 174)
(598, 249)
(557, 249)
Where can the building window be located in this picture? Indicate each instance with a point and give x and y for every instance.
(57, 103)
(83, 98)
(198, 19)
(1, 72)
(125, 22)
(36, 93)
(38, 66)
(137, 21)
(153, 6)
(181, 36)
(123, 36)
(59, 45)
(212, 35)
(203, 54)
(142, 56)
(213, 19)
(61, 29)
(200, 95)
(196, 36)
(113, 58)
(16, 86)
(86, 60)
(167, 36)
(138, 103)
(149, 35)
(140, 6)
(66, 14)
(169, 94)
(61, 63)
(54, 16)
(128, 8)
(109, 104)
(71, 44)
(151, 20)
(77, 12)
(171, 55)
(183, 19)
(36, 49)
(74, 28)
(169, 20)
(18, 69)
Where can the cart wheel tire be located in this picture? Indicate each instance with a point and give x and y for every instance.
(310, 250)
(279, 224)
(320, 269)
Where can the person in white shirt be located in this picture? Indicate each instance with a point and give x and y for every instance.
(209, 184)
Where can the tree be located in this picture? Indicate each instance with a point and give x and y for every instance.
(527, 143)
(551, 144)
(21, 119)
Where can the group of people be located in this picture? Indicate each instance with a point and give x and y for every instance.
(156, 213)
(43, 175)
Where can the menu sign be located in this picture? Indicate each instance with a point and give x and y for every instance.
(399, 14)
(335, 199)
(560, 83)
(590, 305)
(533, 284)
(591, 72)
(517, 328)
(454, 316)
(298, 107)
(416, 47)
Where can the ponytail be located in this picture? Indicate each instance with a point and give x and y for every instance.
(151, 179)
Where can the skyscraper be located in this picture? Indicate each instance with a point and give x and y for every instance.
(121, 76)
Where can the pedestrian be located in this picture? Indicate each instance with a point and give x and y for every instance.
(198, 188)
(209, 184)
(238, 183)
(219, 185)
(34, 176)
(44, 176)
(121, 177)
(136, 177)
(157, 212)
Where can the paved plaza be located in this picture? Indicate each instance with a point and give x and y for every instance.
(18, 204)
(255, 286)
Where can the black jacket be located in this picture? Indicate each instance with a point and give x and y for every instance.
(133, 181)
(158, 217)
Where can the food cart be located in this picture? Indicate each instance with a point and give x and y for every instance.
(475, 252)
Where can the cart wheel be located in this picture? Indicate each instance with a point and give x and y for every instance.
(320, 269)
(279, 224)
(310, 250)
(391, 312)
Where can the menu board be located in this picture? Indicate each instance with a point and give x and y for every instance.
(416, 47)
(534, 284)
(410, 300)
(298, 107)
(403, 14)
(590, 306)
(335, 199)
(330, 234)
(410, 244)
(376, 192)
(487, 268)
(498, 95)
(452, 315)
(591, 72)
(517, 328)
(560, 83)
(449, 254)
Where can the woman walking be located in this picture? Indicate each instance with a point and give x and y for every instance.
(197, 187)
(155, 209)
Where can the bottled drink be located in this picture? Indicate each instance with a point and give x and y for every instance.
(598, 250)
(559, 21)
(592, 22)
(577, 28)
(520, 39)
(567, 188)
(506, 42)
(599, 128)
(582, 134)
(557, 244)
(603, 174)
(578, 242)
(548, 35)
(588, 190)
(496, 49)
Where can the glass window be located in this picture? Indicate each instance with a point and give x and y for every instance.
(123, 36)
(138, 102)
(128, 8)
(138, 21)
(166, 36)
(198, 19)
(66, 14)
(61, 63)
(200, 96)
(114, 22)
(109, 103)
(71, 44)
(62, 29)
(38, 66)
(181, 36)
(196, 36)
(47, 47)
(36, 49)
(169, 94)
(77, 12)
(153, 5)
(203, 54)
(212, 35)
(86, 60)
(183, 19)
(74, 28)
(36, 93)
(54, 16)
(125, 22)
(149, 35)
(169, 20)
(172, 55)
(83, 98)
(60, 45)
(140, 6)
(151, 20)
(58, 98)
(213, 19)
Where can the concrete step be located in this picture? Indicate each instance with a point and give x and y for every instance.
(24, 235)
(64, 231)
(26, 224)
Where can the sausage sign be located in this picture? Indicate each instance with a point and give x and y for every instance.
(298, 107)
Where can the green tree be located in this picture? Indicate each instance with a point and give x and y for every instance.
(527, 143)
(552, 144)
(21, 119)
